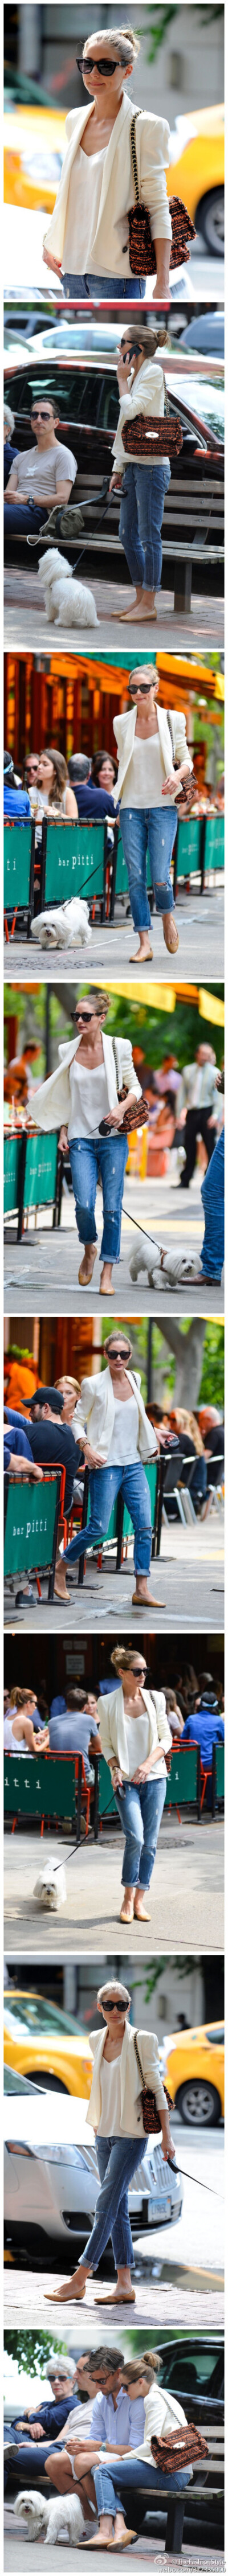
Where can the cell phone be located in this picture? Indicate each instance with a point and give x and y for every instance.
(135, 352)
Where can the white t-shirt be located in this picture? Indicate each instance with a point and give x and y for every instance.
(83, 207)
(89, 1099)
(110, 2119)
(124, 1441)
(146, 776)
(38, 473)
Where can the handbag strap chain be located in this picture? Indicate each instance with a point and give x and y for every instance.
(138, 2058)
(134, 160)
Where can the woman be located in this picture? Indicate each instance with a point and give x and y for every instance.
(114, 1449)
(19, 1733)
(188, 1432)
(87, 242)
(136, 2470)
(83, 1093)
(53, 794)
(149, 741)
(135, 1736)
(115, 2112)
(143, 481)
(104, 772)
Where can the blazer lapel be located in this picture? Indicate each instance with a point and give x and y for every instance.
(112, 147)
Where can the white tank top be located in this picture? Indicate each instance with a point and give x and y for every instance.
(13, 1744)
(146, 775)
(89, 1099)
(109, 2123)
(83, 205)
(124, 1441)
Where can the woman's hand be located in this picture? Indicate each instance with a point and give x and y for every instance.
(115, 485)
(92, 1458)
(117, 1782)
(172, 783)
(50, 262)
(168, 2147)
(63, 1141)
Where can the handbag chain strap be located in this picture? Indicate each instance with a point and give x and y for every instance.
(134, 160)
(139, 2061)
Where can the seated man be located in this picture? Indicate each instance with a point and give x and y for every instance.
(70, 1731)
(51, 1440)
(16, 800)
(117, 2419)
(93, 802)
(41, 475)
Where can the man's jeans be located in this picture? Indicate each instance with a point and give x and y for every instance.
(155, 830)
(104, 1485)
(32, 2457)
(117, 2160)
(212, 1195)
(140, 1812)
(110, 2483)
(107, 1154)
(25, 520)
(141, 514)
(104, 290)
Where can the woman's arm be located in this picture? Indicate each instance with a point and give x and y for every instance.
(71, 803)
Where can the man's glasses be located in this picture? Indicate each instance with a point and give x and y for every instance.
(104, 64)
(40, 415)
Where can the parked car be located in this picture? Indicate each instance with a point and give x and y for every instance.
(193, 2366)
(42, 2041)
(193, 2064)
(196, 152)
(51, 2192)
(15, 2083)
(33, 154)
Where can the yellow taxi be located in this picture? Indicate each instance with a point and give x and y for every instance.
(33, 155)
(196, 172)
(193, 2068)
(43, 2042)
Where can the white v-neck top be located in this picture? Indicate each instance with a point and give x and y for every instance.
(124, 1441)
(83, 206)
(109, 2123)
(146, 775)
(89, 1098)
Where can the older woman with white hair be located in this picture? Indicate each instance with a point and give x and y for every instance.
(88, 238)
(153, 761)
(115, 2111)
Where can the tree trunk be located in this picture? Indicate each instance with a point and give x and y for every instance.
(188, 1352)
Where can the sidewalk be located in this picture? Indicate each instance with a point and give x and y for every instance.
(187, 1888)
(202, 625)
(200, 922)
(147, 2552)
(166, 2305)
(188, 1584)
(45, 1266)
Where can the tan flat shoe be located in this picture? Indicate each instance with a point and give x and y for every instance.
(171, 941)
(141, 961)
(151, 1604)
(106, 1292)
(116, 2299)
(140, 1914)
(86, 1268)
(127, 1918)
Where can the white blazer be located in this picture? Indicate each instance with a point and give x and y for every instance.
(52, 1105)
(96, 1408)
(162, 2415)
(130, 2081)
(113, 1726)
(117, 191)
(124, 730)
(147, 394)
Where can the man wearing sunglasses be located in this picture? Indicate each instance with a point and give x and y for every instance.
(87, 242)
(115, 2110)
(40, 475)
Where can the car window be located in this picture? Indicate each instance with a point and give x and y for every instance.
(216, 2037)
(205, 398)
(34, 2014)
(194, 2370)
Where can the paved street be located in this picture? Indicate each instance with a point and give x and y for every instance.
(188, 1585)
(147, 2552)
(163, 2305)
(202, 625)
(186, 1889)
(44, 1267)
(200, 922)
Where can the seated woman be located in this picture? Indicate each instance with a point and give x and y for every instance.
(116, 2113)
(136, 2471)
(53, 794)
(135, 1737)
(150, 739)
(82, 1093)
(143, 477)
(19, 1734)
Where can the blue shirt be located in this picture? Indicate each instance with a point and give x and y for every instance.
(122, 2423)
(205, 1729)
(16, 804)
(93, 801)
(52, 2414)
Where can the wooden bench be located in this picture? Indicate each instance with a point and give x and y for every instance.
(207, 2484)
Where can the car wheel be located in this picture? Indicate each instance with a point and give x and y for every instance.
(50, 2083)
(210, 221)
(198, 2103)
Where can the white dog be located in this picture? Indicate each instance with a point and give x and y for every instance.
(59, 2519)
(50, 1887)
(68, 602)
(67, 925)
(178, 1268)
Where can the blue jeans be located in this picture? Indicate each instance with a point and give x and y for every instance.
(26, 520)
(117, 2159)
(104, 1485)
(109, 1155)
(140, 1812)
(212, 1194)
(153, 830)
(32, 2458)
(110, 2483)
(102, 290)
(141, 514)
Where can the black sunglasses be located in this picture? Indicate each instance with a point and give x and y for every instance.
(87, 63)
(114, 2006)
(82, 1015)
(40, 415)
(120, 1354)
(143, 685)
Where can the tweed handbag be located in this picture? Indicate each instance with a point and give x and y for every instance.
(178, 2450)
(151, 2115)
(136, 1116)
(141, 248)
(142, 436)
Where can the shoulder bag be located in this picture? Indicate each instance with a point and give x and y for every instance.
(142, 252)
(150, 435)
(150, 2112)
(136, 1116)
(188, 790)
(180, 2449)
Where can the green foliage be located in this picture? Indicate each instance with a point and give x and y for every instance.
(158, 1033)
(159, 20)
(212, 1380)
(212, 1374)
(33, 2351)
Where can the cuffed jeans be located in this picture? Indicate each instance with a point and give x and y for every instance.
(141, 514)
(25, 520)
(110, 2483)
(140, 1812)
(104, 1485)
(212, 1195)
(107, 1154)
(117, 2160)
(152, 829)
(104, 290)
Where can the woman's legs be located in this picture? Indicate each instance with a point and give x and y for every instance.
(83, 1163)
(152, 1801)
(132, 2474)
(134, 836)
(162, 828)
(109, 1155)
(104, 1485)
(129, 528)
(136, 1494)
(117, 2159)
(112, 1158)
(140, 1811)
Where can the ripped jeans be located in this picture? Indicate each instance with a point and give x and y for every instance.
(154, 831)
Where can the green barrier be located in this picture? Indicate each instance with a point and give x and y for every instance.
(31, 1521)
(219, 1770)
(213, 856)
(12, 1159)
(182, 1780)
(74, 855)
(39, 1785)
(107, 1802)
(18, 867)
(30, 1175)
(188, 848)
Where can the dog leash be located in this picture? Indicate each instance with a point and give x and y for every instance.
(102, 516)
(141, 1229)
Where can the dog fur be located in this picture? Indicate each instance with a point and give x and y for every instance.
(66, 925)
(178, 1268)
(59, 2518)
(68, 602)
(50, 1887)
